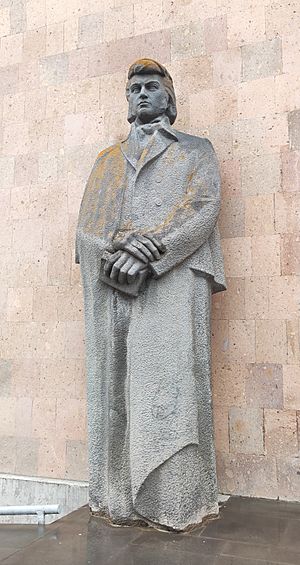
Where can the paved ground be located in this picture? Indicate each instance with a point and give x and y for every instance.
(248, 532)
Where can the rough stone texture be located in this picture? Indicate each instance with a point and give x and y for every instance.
(257, 160)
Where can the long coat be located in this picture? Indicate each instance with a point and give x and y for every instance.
(148, 358)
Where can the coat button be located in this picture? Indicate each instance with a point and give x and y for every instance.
(158, 201)
(158, 179)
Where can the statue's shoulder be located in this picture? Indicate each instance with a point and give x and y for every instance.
(194, 142)
(111, 151)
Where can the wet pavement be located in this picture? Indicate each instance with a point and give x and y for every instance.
(248, 532)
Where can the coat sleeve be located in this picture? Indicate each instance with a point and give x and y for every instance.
(194, 219)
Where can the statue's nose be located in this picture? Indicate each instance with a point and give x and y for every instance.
(143, 93)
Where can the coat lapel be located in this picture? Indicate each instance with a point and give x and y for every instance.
(158, 143)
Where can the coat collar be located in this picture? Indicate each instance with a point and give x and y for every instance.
(158, 142)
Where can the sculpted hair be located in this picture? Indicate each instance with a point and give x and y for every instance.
(149, 66)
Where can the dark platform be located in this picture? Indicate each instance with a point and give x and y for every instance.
(248, 532)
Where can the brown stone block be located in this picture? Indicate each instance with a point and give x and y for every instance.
(232, 217)
(260, 137)
(284, 295)
(16, 139)
(14, 107)
(215, 34)
(19, 304)
(220, 341)
(259, 215)
(35, 14)
(43, 418)
(293, 341)
(106, 58)
(23, 417)
(231, 177)
(9, 79)
(8, 454)
(228, 384)
(226, 104)
(256, 298)
(290, 254)
(26, 377)
(246, 26)
(237, 256)
(70, 304)
(266, 255)
(287, 212)
(76, 460)
(90, 31)
(242, 340)
(35, 105)
(27, 450)
(26, 169)
(4, 21)
(187, 41)
(256, 98)
(61, 378)
(54, 69)
(45, 304)
(230, 304)
(27, 235)
(261, 59)
(246, 430)
(75, 348)
(291, 387)
(7, 422)
(55, 39)
(71, 419)
(34, 44)
(264, 385)
(221, 429)
(290, 163)
(52, 457)
(5, 377)
(294, 129)
(118, 22)
(281, 432)
(247, 475)
(271, 344)
(288, 471)
(12, 49)
(227, 67)
(282, 18)
(7, 171)
(290, 51)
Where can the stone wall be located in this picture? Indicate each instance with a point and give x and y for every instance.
(235, 65)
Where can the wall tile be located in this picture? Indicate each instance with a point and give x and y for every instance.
(259, 215)
(291, 387)
(76, 460)
(215, 34)
(264, 385)
(290, 163)
(266, 255)
(281, 432)
(246, 430)
(290, 254)
(261, 59)
(247, 475)
(274, 349)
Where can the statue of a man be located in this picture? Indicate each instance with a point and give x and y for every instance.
(150, 256)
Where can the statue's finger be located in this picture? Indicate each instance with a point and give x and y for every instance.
(132, 273)
(117, 266)
(122, 277)
(110, 262)
(158, 244)
(137, 252)
(148, 243)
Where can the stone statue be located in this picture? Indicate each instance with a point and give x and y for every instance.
(150, 256)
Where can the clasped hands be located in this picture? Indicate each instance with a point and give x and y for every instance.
(131, 256)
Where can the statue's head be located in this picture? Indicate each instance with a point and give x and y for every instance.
(150, 92)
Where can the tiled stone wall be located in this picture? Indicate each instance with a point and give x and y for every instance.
(236, 68)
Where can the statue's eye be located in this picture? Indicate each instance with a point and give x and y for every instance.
(153, 86)
(135, 88)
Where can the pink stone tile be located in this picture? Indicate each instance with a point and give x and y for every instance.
(8, 454)
(25, 378)
(273, 349)
(247, 475)
(19, 304)
(259, 215)
(27, 456)
(7, 421)
(23, 417)
(231, 177)
(52, 457)
(246, 26)
(237, 256)
(288, 471)
(246, 430)
(287, 212)
(230, 304)
(75, 348)
(284, 295)
(232, 217)
(266, 255)
(242, 340)
(264, 385)
(293, 341)
(71, 419)
(280, 432)
(76, 460)
(220, 340)
(228, 384)
(290, 254)
(215, 34)
(221, 428)
(227, 67)
(256, 297)
(43, 418)
(291, 387)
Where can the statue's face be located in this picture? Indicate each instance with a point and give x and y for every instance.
(147, 97)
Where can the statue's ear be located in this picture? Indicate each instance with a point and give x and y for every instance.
(130, 116)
